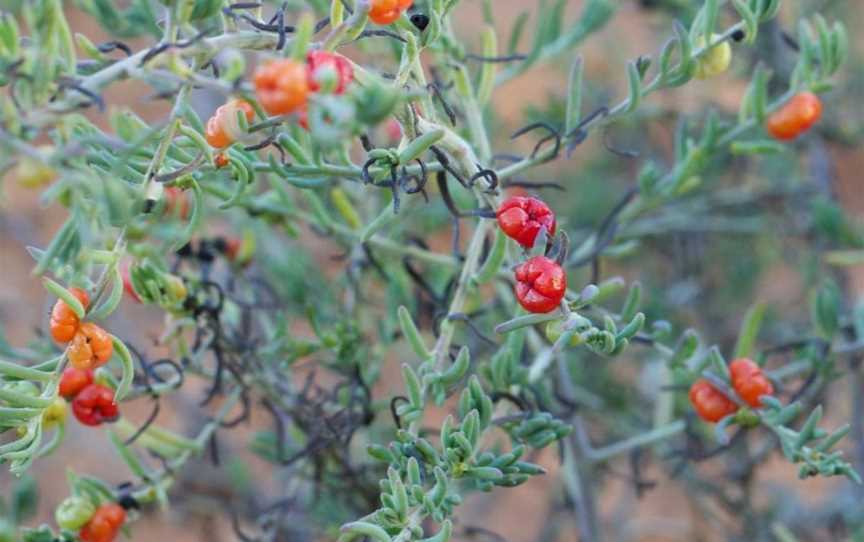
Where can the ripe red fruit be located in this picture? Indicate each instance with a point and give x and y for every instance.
(105, 524)
(795, 117)
(95, 405)
(64, 322)
(73, 381)
(710, 403)
(318, 60)
(521, 218)
(540, 284)
(749, 381)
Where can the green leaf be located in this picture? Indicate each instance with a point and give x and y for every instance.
(113, 300)
(65, 295)
(487, 74)
(574, 96)
(825, 309)
(25, 499)
(412, 386)
(634, 84)
(410, 331)
(750, 18)
(455, 372)
(494, 260)
(631, 304)
(516, 32)
(128, 456)
(749, 330)
(416, 148)
(128, 369)
(194, 219)
(761, 146)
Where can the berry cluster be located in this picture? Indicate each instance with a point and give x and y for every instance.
(90, 345)
(749, 383)
(540, 281)
(93, 404)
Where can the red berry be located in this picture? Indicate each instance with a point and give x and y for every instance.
(105, 524)
(316, 60)
(710, 403)
(540, 284)
(795, 117)
(521, 218)
(73, 381)
(95, 405)
(749, 381)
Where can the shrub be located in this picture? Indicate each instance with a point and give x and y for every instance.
(312, 144)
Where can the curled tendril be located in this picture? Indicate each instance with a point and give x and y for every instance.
(462, 317)
(181, 44)
(96, 99)
(578, 134)
(436, 93)
(114, 45)
(552, 135)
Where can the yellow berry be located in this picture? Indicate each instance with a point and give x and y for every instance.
(715, 61)
(55, 414)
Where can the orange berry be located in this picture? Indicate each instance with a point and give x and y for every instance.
(282, 86)
(749, 381)
(795, 117)
(384, 11)
(104, 525)
(710, 403)
(64, 322)
(91, 347)
(222, 129)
